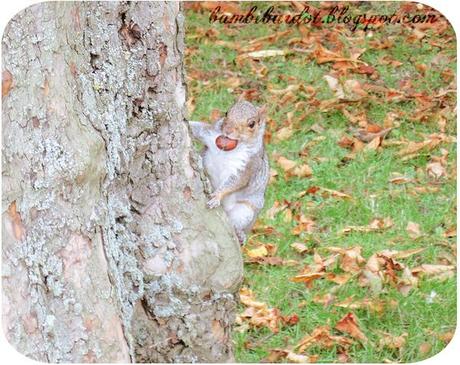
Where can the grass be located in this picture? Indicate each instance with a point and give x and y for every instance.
(365, 178)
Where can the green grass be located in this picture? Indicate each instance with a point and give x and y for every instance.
(365, 178)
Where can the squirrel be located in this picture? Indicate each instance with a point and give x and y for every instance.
(235, 160)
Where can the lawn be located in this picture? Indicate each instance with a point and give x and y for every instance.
(361, 206)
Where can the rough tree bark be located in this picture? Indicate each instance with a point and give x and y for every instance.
(109, 253)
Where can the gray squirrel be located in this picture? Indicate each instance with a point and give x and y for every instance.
(234, 158)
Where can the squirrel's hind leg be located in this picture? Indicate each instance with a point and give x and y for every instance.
(241, 216)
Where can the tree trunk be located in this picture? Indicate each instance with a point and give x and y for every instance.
(109, 253)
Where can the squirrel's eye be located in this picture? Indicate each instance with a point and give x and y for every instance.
(251, 123)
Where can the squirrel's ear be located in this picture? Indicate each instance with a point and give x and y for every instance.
(262, 112)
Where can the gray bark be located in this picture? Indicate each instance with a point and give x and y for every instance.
(109, 253)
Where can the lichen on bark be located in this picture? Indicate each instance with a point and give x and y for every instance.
(109, 253)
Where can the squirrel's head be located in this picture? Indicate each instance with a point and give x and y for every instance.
(244, 122)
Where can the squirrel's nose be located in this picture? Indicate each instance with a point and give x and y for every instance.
(228, 130)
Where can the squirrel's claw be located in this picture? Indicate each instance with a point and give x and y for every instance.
(214, 202)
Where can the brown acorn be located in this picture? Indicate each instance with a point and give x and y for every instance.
(225, 143)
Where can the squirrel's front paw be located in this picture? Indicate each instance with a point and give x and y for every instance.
(214, 202)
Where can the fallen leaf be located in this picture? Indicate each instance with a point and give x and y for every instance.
(307, 278)
(299, 247)
(393, 342)
(258, 314)
(334, 193)
(413, 230)
(321, 336)
(291, 320)
(377, 224)
(348, 324)
(424, 348)
(259, 251)
(435, 271)
(402, 254)
(271, 260)
(339, 279)
(374, 305)
(350, 259)
(266, 53)
(16, 220)
(286, 164)
(7, 82)
(435, 170)
(345, 142)
(414, 147)
(400, 179)
(298, 359)
(325, 300)
(283, 134)
(370, 134)
(451, 232)
(342, 356)
(276, 355)
(302, 171)
(446, 336)
(275, 209)
(407, 282)
(305, 225)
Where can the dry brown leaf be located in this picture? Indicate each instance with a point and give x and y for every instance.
(299, 247)
(307, 278)
(374, 305)
(451, 232)
(346, 142)
(393, 342)
(7, 82)
(326, 299)
(435, 271)
(298, 359)
(286, 164)
(289, 88)
(414, 147)
(398, 179)
(349, 324)
(322, 337)
(425, 348)
(334, 193)
(389, 121)
(446, 336)
(435, 170)
(302, 171)
(402, 254)
(270, 260)
(374, 280)
(16, 221)
(287, 215)
(339, 279)
(283, 134)
(277, 354)
(377, 224)
(275, 209)
(305, 225)
(407, 282)
(371, 132)
(258, 314)
(260, 251)
(413, 230)
(350, 259)
(374, 144)
(323, 55)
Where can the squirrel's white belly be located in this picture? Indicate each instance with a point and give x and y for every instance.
(220, 165)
